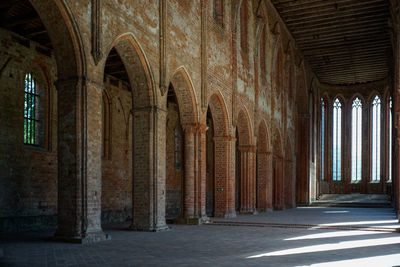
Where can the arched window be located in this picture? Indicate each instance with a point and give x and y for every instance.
(31, 111)
(322, 139)
(337, 139)
(219, 11)
(376, 139)
(390, 145)
(356, 128)
(243, 26)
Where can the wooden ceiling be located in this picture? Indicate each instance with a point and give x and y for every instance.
(345, 41)
(116, 68)
(20, 17)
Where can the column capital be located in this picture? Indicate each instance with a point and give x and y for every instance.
(247, 148)
(224, 138)
(194, 128)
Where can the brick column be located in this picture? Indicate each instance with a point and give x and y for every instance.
(224, 188)
(288, 184)
(194, 207)
(202, 170)
(149, 169)
(247, 176)
(189, 179)
(79, 160)
(264, 175)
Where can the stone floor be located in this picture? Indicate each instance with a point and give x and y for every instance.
(268, 239)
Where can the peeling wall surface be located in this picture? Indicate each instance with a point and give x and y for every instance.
(114, 160)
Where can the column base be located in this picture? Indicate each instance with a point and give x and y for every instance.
(230, 214)
(192, 221)
(158, 228)
(89, 238)
(247, 211)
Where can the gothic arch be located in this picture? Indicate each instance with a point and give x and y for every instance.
(137, 68)
(263, 138)
(67, 43)
(219, 114)
(244, 128)
(185, 95)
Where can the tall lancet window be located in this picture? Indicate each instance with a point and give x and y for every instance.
(337, 139)
(376, 139)
(356, 124)
(322, 139)
(390, 140)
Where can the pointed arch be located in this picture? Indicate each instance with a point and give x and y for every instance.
(263, 140)
(184, 91)
(64, 36)
(244, 127)
(219, 114)
(137, 68)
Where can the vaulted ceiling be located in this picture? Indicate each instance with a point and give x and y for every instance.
(345, 41)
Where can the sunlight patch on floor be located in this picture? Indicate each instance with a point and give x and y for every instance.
(381, 261)
(333, 234)
(332, 246)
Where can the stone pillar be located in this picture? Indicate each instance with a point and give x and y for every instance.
(247, 196)
(79, 160)
(148, 159)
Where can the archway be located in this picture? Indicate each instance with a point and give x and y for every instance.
(185, 182)
(264, 169)
(116, 196)
(133, 105)
(218, 142)
(57, 40)
(245, 166)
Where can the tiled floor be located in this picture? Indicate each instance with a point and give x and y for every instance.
(215, 245)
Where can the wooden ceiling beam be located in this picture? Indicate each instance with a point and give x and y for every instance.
(344, 20)
(339, 42)
(382, 44)
(301, 5)
(355, 9)
(329, 6)
(339, 25)
(340, 34)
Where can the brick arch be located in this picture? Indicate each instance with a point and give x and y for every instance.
(185, 96)
(63, 33)
(137, 68)
(263, 138)
(219, 115)
(244, 128)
